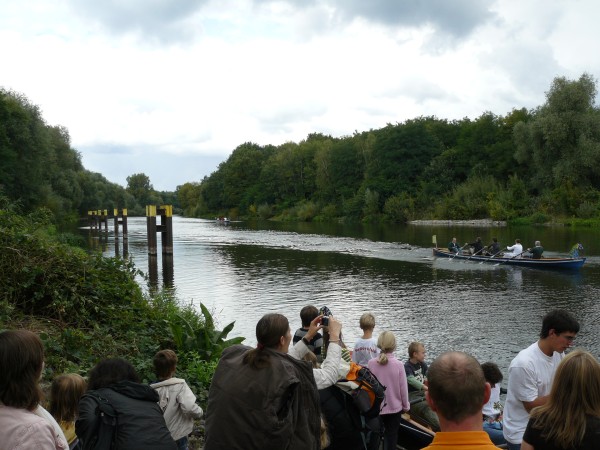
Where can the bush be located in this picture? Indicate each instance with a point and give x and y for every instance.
(306, 211)
(86, 307)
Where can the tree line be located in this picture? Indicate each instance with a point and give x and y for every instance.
(538, 164)
(39, 168)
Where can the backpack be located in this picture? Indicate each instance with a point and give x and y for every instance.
(105, 432)
(363, 396)
(366, 390)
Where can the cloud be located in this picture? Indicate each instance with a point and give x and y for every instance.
(117, 162)
(161, 84)
(162, 21)
(456, 18)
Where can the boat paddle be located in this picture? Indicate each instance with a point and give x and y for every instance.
(492, 257)
(507, 260)
(458, 252)
(475, 253)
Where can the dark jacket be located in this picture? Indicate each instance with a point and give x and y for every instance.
(275, 408)
(140, 422)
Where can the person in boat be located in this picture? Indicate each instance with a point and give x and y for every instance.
(492, 410)
(536, 251)
(454, 247)
(493, 248)
(416, 375)
(575, 250)
(266, 397)
(457, 392)
(571, 417)
(514, 251)
(477, 246)
(531, 373)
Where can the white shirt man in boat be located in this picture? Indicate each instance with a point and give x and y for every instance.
(514, 251)
(531, 372)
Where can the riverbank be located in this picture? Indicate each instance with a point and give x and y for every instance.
(478, 223)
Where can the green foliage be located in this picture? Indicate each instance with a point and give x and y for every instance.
(327, 213)
(587, 210)
(264, 211)
(204, 339)
(562, 142)
(86, 307)
(306, 211)
(39, 168)
(524, 159)
(399, 208)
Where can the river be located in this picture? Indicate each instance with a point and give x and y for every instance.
(243, 270)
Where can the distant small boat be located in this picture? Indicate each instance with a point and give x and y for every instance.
(523, 261)
(222, 219)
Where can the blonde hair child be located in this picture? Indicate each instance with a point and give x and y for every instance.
(390, 372)
(65, 393)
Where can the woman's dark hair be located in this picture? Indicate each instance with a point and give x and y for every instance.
(111, 371)
(269, 330)
(21, 362)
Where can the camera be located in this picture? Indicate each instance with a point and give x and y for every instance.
(325, 312)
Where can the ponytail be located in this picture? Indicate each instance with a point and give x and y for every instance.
(383, 359)
(257, 358)
(387, 344)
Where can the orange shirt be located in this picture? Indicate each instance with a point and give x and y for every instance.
(461, 440)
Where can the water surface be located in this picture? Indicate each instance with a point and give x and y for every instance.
(246, 269)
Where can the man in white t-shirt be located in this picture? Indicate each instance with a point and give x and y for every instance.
(531, 373)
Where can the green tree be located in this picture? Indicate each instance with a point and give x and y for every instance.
(562, 142)
(188, 195)
(139, 186)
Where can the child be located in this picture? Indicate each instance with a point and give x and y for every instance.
(492, 410)
(390, 373)
(65, 392)
(176, 399)
(365, 347)
(416, 374)
(307, 315)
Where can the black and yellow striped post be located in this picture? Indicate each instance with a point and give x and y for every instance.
(151, 228)
(103, 217)
(120, 218)
(166, 228)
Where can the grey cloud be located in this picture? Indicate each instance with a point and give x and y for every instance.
(168, 21)
(157, 20)
(457, 18)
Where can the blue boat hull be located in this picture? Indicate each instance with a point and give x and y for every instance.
(543, 263)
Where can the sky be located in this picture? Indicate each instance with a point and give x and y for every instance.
(170, 88)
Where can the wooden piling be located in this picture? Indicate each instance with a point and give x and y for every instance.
(166, 228)
(151, 228)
